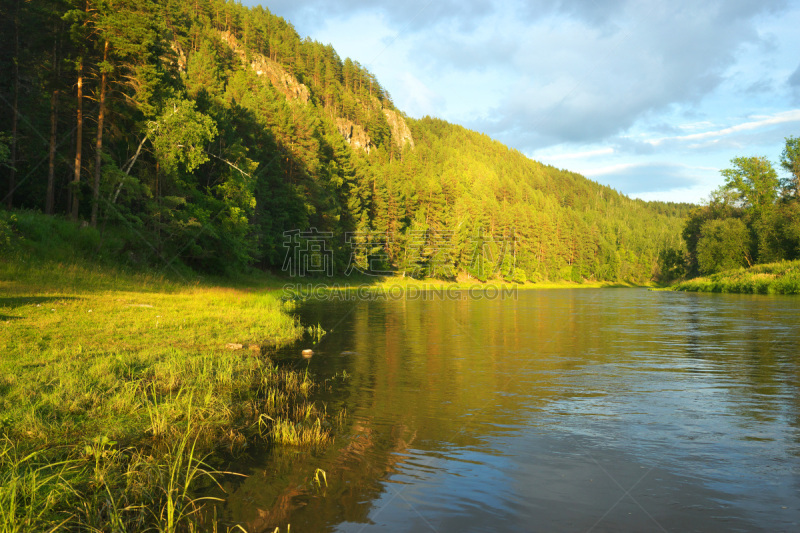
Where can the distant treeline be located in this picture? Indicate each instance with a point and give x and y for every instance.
(211, 134)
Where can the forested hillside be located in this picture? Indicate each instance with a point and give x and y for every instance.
(213, 134)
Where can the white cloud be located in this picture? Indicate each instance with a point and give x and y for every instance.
(586, 154)
(614, 169)
(762, 122)
(574, 161)
(419, 99)
(697, 125)
(651, 177)
(580, 83)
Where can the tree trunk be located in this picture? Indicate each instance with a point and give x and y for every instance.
(98, 160)
(76, 182)
(158, 201)
(12, 174)
(51, 169)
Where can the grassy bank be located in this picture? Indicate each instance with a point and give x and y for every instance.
(400, 284)
(772, 278)
(465, 283)
(116, 383)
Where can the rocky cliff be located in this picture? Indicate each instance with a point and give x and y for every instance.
(354, 133)
(282, 80)
(401, 135)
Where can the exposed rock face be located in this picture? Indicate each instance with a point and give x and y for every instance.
(400, 132)
(354, 134)
(180, 56)
(283, 81)
(287, 84)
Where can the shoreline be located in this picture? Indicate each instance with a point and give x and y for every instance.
(772, 278)
(311, 285)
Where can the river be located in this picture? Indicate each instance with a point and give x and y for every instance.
(556, 410)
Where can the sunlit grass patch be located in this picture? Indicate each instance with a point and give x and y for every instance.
(291, 433)
(772, 278)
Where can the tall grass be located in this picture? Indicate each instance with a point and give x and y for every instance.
(115, 382)
(772, 278)
(291, 433)
(183, 468)
(31, 488)
(103, 487)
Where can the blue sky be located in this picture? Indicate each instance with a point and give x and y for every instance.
(651, 98)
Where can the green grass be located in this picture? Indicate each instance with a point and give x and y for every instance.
(116, 382)
(399, 284)
(772, 278)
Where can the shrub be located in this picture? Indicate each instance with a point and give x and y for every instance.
(8, 224)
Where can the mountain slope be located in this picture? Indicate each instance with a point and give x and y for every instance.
(228, 140)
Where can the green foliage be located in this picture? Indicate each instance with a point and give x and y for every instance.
(54, 240)
(753, 181)
(751, 219)
(672, 265)
(5, 151)
(180, 136)
(518, 276)
(724, 244)
(790, 162)
(8, 223)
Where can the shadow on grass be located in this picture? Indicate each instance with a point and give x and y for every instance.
(3, 318)
(12, 302)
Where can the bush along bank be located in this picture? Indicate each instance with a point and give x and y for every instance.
(771, 278)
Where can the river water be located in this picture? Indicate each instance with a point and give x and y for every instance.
(560, 410)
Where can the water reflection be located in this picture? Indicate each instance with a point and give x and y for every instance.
(563, 410)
